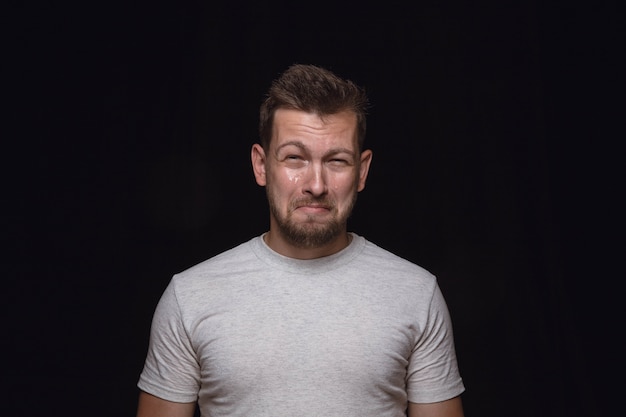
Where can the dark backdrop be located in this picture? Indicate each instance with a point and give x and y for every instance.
(496, 129)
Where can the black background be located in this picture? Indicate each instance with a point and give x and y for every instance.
(497, 130)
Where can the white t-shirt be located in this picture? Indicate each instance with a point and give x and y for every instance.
(250, 332)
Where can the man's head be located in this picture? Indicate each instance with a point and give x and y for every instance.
(310, 161)
(312, 89)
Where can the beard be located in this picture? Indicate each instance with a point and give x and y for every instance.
(310, 233)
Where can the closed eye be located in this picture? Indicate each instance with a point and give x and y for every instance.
(294, 160)
(339, 161)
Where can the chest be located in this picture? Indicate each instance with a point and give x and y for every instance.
(303, 339)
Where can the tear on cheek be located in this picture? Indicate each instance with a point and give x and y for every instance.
(294, 179)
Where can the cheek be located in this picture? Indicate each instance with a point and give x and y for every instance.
(345, 187)
(288, 180)
(284, 183)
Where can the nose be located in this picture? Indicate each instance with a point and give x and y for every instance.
(315, 183)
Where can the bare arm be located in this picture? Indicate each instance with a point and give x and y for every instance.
(448, 408)
(151, 406)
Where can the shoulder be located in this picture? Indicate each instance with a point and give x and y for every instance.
(388, 269)
(378, 257)
(230, 263)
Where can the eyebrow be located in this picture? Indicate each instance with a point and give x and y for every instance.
(291, 143)
(300, 145)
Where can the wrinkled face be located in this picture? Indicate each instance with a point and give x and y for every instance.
(312, 173)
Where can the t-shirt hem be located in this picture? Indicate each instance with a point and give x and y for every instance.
(166, 394)
(422, 397)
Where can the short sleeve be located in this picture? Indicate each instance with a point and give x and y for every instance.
(433, 373)
(171, 370)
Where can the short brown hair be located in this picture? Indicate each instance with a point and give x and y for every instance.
(312, 89)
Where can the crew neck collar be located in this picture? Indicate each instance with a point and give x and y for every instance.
(308, 266)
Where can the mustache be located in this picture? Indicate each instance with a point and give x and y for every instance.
(316, 202)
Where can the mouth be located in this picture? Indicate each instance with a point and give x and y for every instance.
(313, 208)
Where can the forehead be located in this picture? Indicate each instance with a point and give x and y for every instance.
(311, 128)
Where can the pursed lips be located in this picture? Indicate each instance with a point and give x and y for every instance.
(313, 207)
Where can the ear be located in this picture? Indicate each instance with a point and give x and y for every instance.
(257, 155)
(364, 167)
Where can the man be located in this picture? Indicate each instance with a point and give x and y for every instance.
(307, 319)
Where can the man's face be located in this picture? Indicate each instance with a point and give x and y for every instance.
(312, 173)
